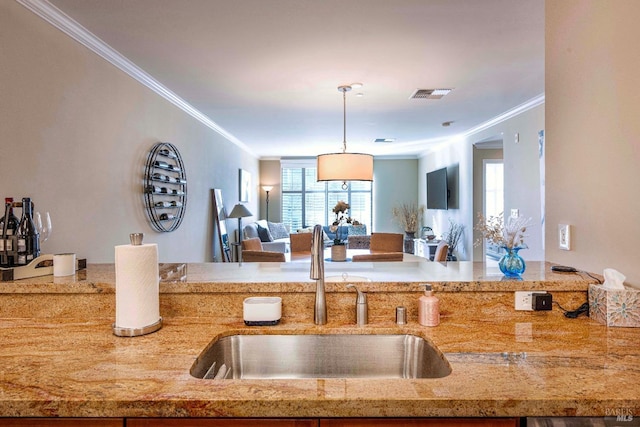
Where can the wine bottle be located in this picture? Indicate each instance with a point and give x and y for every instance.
(8, 226)
(165, 152)
(28, 236)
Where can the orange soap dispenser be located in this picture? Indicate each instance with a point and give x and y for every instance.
(428, 308)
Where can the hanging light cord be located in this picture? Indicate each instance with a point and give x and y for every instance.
(344, 90)
(344, 118)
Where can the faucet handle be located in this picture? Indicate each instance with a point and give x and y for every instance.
(362, 312)
(362, 297)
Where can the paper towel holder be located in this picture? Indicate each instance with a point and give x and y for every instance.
(136, 240)
(136, 332)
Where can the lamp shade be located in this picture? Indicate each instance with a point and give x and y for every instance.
(239, 211)
(267, 187)
(345, 167)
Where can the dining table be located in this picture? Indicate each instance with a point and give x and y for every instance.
(306, 256)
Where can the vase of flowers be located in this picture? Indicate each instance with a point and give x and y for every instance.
(408, 216)
(452, 238)
(511, 264)
(339, 248)
(508, 235)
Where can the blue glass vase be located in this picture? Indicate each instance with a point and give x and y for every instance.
(511, 264)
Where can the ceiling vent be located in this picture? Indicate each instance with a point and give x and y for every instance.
(429, 93)
(384, 140)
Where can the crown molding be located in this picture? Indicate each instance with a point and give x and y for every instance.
(509, 114)
(70, 27)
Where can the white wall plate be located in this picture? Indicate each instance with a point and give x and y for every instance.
(564, 237)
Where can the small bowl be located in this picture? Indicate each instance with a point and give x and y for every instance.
(431, 237)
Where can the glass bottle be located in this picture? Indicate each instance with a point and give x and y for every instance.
(28, 236)
(8, 226)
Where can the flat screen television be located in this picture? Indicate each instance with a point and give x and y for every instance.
(437, 189)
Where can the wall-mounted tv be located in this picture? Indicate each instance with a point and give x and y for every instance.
(437, 189)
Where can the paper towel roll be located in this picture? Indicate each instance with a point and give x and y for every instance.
(64, 265)
(137, 289)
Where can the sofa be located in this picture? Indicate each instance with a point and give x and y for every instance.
(347, 231)
(273, 235)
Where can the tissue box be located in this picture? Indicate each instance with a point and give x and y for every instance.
(262, 311)
(615, 307)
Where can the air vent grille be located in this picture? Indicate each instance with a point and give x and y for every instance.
(430, 93)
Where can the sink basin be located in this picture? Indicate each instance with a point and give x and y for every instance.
(320, 356)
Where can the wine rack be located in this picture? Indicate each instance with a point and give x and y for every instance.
(165, 187)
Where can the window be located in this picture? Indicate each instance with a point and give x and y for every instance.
(306, 202)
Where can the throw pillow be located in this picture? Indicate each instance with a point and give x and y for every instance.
(310, 230)
(357, 230)
(264, 234)
(278, 230)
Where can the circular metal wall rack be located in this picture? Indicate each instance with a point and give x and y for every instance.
(165, 187)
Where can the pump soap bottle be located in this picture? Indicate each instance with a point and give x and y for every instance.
(428, 308)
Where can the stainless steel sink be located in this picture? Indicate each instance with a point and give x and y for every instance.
(320, 356)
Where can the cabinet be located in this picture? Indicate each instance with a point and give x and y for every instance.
(323, 422)
(419, 422)
(220, 422)
(425, 248)
(61, 422)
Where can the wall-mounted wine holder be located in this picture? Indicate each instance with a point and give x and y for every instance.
(165, 187)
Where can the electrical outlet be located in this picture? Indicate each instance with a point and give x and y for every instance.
(515, 213)
(524, 300)
(564, 237)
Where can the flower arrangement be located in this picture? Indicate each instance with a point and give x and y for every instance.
(408, 216)
(509, 234)
(342, 218)
(453, 236)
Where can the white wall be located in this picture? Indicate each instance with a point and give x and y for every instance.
(75, 134)
(457, 158)
(522, 180)
(593, 153)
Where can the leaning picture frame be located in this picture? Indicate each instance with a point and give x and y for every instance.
(245, 186)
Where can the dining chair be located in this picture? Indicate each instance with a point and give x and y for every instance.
(378, 257)
(252, 244)
(386, 242)
(262, 256)
(441, 251)
(300, 242)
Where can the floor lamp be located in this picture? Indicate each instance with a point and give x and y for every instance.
(267, 188)
(239, 211)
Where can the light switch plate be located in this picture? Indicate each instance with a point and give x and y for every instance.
(564, 237)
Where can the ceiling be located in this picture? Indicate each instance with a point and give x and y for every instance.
(267, 71)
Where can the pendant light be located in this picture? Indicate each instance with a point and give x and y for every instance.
(345, 166)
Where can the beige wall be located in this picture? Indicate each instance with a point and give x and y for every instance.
(75, 132)
(395, 181)
(593, 133)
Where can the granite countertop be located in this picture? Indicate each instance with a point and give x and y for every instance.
(232, 277)
(504, 363)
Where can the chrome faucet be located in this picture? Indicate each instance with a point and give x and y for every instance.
(317, 274)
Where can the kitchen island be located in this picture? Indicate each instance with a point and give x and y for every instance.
(59, 357)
